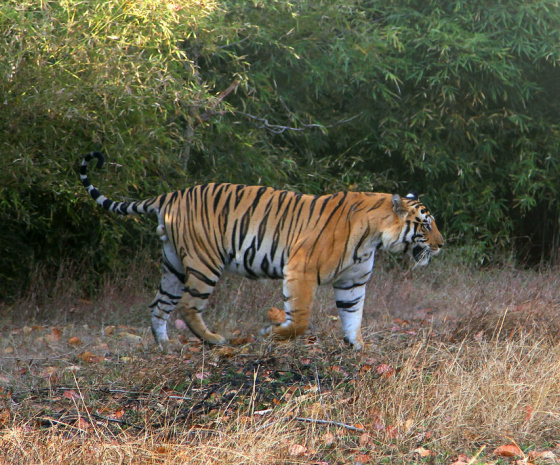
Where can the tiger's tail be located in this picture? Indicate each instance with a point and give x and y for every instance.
(122, 208)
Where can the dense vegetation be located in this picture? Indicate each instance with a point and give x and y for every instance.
(457, 100)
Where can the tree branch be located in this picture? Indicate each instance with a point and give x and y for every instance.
(277, 129)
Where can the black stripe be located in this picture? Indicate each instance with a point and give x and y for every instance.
(349, 286)
(201, 277)
(376, 205)
(345, 304)
(244, 227)
(195, 293)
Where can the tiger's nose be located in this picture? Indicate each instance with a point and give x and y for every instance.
(439, 243)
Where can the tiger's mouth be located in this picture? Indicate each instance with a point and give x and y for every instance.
(421, 255)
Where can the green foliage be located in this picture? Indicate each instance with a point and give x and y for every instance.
(457, 100)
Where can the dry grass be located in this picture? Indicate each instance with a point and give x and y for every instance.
(457, 360)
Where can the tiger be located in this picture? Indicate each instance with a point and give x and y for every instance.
(263, 232)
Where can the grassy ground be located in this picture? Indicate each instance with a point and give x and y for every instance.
(461, 366)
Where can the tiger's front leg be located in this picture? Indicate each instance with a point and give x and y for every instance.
(350, 305)
(298, 298)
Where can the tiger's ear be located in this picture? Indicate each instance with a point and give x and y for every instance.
(398, 206)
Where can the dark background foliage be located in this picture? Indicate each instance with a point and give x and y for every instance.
(457, 100)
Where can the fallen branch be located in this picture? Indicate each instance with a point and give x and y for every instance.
(328, 422)
(306, 420)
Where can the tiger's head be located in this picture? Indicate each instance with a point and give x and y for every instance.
(418, 235)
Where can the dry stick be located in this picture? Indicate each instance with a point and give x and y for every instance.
(328, 422)
(56, 422)
(312, 420)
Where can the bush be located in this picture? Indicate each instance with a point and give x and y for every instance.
(455, 100)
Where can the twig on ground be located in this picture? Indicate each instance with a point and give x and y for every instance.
(328, 422)
(115, 420)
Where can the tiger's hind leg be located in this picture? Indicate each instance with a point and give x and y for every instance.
(169, 294)
(198, 288)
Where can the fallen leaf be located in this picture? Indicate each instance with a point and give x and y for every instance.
(365, 440)
(74, 341)
(297, 450)
(109, 330)
(422, 452)
(290, 391)
(54, 336)
(462, 459)
(276, 315)
(362, 458)
(391, 432)
(82, 423)
(528, 413)
(49, 371)
(202, 375)
(117, 415)
(408, 424)
(101, 347)
(71, 394)
(88, 357)
(509, 450)
(328, 438)
(365, 368)
(386, 371)
(239, 341)
(226, 351)
(130, 337)
(5, 417)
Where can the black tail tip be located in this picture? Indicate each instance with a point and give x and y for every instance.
(100, 158)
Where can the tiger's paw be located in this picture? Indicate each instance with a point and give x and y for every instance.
(214, 339)
(356, 345)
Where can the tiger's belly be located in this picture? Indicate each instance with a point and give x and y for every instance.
(253, 264)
